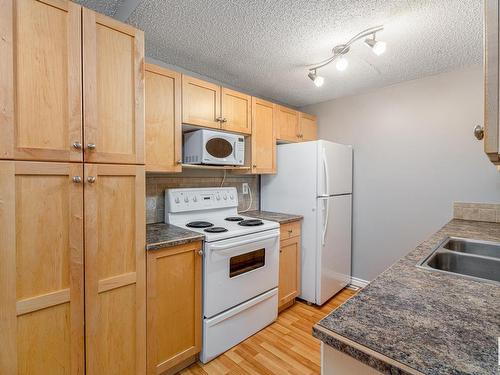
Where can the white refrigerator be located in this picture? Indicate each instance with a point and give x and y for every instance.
(314, 180)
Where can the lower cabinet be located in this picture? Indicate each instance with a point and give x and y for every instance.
(41, 268)
(174, 314)
(290, 264)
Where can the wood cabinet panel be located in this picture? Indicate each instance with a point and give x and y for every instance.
(40, 80)
(288, 124)
(290, 230)
(41, 272)
(289, 273)
(200, 102)
(163, 120)
(491, 85)
(263, 136)
(115, 301)
(236, 111)
(113, 70)
(174, 306)
(308, 127)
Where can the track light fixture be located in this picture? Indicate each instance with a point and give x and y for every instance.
(378, 47)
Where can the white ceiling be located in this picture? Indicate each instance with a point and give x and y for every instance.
(265, 46)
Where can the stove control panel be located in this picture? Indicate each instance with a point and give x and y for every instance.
(196, 199)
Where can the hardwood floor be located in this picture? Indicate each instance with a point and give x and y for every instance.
(284, 347)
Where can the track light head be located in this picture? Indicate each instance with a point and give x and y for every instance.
(377, 46)
(318, 80)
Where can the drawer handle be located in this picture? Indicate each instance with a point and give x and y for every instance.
(290, 231)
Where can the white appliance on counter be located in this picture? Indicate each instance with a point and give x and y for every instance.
(314, 180)
(213, 147)
(240, 265)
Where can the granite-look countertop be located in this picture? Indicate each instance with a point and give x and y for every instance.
(163, 235)
(273, 216)
(422, 321)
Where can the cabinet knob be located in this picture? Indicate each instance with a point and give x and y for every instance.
(219, 119)
(77, 145)
(479, 132)
(224, 119)
(200, 252)
(77, 179)
(91, 146)
(91, 179)
(290, 231)
(254, 166)
(179, 161)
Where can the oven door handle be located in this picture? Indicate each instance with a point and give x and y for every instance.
(219, 248)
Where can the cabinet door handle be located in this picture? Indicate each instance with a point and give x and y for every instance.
(224, 119)
(200, 252)
(290, 231)
(254, 166)
(218, 119)
(91, 179)
(479, 132)
(77, 145)
(91, 146)
(179, 162)
(77, 179)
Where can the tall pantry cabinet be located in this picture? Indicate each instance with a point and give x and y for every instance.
(72, 223)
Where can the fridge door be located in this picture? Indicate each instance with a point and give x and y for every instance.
(334, 169)
(333, 268)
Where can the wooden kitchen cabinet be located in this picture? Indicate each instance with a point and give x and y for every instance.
(163, 120)
(41, 268)
(113, 90)
(491, 85)
(236, 111)
(263, 142)
(308, 127)
(115, 269)
(200, 102)
(173, 307)
(40, 80)
(290, 264)
(288, 124)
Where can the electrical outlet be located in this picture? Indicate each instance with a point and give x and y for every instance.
(245, 188)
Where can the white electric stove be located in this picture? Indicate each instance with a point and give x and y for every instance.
(240, 264)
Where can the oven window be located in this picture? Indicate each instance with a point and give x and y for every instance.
(219, 147)
(247, 262)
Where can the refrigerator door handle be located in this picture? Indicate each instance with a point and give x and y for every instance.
(326, 175)
(325, 225)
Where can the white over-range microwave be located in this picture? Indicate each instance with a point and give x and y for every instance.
(212, 147)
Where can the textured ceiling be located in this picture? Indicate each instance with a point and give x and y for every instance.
(264, 46)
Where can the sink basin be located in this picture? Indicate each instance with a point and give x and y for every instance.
(479, 260)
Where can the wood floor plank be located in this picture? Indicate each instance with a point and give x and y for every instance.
(286, 347)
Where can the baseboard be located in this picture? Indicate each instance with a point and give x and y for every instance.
(358, 283)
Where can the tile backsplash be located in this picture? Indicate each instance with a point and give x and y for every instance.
(156, 184)
(477, 211)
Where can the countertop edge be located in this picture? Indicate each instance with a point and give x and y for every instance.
(279, 217)
(364, 354)
(171, 243)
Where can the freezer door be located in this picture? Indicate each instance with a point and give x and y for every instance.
(334, 246)
(334, 169)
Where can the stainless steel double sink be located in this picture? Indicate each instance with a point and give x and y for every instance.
(479, 260)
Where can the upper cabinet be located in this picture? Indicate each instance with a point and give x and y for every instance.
(212, 106)
(491, 86)
(113, 102)
(236, 111)
(163, 120)
(263, 143)
(40, 80)
(288, 124)
(308, 127)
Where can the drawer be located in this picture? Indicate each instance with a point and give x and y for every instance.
(290, 230)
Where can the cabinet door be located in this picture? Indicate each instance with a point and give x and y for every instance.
(263, 137)
(308, 127)
(236, 111)
(115, 269)
(289, 278)
(41, 268)
(163, 120)
(113, 91)
(200, 103)
(491, 87)
(174, 306)
(40, 80)
(288, 124)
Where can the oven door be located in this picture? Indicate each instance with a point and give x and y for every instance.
(222, 149)
(238, 269)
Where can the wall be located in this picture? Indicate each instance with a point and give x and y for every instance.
(156, 184)
(414, 155)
